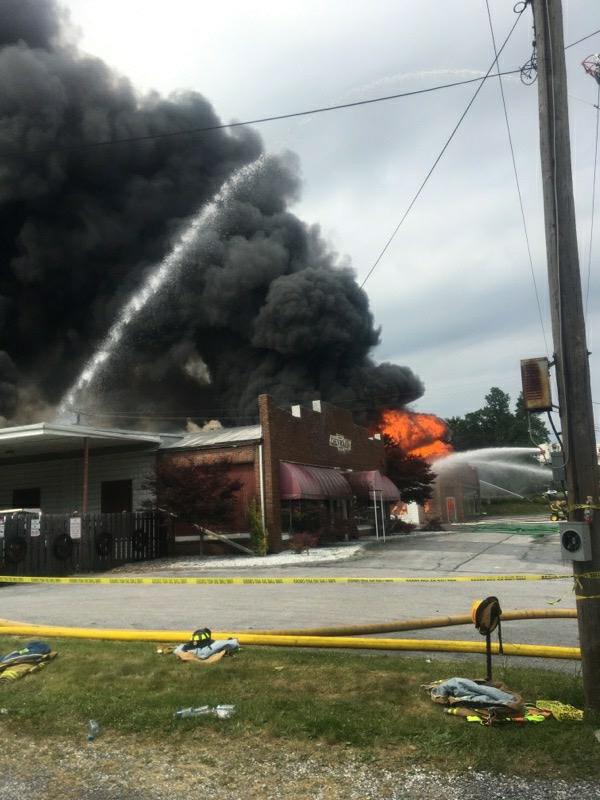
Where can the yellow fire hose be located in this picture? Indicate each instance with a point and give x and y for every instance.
(419, 623)
(347, 642)
(308, 637)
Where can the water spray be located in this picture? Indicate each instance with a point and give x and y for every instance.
(207, 219)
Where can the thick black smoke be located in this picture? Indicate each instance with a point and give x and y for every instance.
(260, 303)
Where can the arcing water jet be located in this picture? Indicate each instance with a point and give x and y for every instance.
(167, 270)
(495, 460)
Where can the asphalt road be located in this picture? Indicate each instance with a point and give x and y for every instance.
(283, 606)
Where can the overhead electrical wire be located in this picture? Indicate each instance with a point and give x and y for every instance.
(516, 174)
(440, 154)
(258, 121)
(271, 118)
(581, 100)
(583, 38)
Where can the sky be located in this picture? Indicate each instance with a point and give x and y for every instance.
(453, 294)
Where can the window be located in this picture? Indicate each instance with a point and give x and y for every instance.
(27, 498)
(115, 497)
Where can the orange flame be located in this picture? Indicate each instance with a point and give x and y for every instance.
(421, 435)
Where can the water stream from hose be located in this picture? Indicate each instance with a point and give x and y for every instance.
(167, 270)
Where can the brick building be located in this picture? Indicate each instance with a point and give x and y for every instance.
(296, 464)
(306, 468)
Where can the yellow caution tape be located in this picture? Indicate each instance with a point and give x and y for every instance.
(239, 581)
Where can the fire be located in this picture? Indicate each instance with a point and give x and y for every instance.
(422, 435)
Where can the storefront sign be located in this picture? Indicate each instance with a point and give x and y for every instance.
(34, 529)
(342, 444)
(75, 527)
(1, 527)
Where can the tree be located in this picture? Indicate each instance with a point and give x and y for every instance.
(413, 476)
(524, 420)
(495, 425)
(195, 491)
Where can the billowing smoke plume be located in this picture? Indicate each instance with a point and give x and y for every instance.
(261, 304)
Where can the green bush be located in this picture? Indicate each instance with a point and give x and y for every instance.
(258, 534)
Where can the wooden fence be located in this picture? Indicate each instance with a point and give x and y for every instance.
(58, 544)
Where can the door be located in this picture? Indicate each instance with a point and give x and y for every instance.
(115, 496)
(451, 509)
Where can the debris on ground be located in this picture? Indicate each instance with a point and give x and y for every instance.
(204, 563)
(93, 730)
(221, 711)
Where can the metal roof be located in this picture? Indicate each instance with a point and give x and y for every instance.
(47, 438)
(221, 436)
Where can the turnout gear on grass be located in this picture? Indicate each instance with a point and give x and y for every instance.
(187, 653)
(18, 663)
(465, 692)
(204, 647)
(19, 671)
(200, 638)
(32, 653)
(560, 711)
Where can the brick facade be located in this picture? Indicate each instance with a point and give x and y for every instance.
(244, 468)
(302, 435)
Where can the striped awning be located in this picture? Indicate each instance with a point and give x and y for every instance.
(365, 483)
(301, 482)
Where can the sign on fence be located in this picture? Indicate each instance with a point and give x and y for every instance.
(75, 527)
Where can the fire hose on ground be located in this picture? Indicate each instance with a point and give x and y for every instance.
(338, 637)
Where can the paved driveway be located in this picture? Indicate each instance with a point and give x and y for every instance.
(281, 606)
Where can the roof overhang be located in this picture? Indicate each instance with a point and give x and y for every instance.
(371, 484)
(29, 441)
(301, 482)
(218, 438)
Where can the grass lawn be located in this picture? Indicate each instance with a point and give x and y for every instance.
(511, 507)
(369, 702)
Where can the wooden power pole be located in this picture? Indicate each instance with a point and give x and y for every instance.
(568, 329)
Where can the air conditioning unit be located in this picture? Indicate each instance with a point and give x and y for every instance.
(575, 541)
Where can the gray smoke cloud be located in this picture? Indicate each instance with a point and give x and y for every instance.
(261, 304)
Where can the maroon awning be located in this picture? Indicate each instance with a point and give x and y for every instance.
(365, 483)
(300, 482)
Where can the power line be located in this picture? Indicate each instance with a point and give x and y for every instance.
(583, 38)
(258, 121)
(514, 164)
(440, 154)
(589, 269)
(206, 414)
(581, 100)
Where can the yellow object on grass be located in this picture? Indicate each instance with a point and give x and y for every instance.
(563, 712)
(19, 671)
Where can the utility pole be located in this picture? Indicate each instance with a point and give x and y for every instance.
(568, 329)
